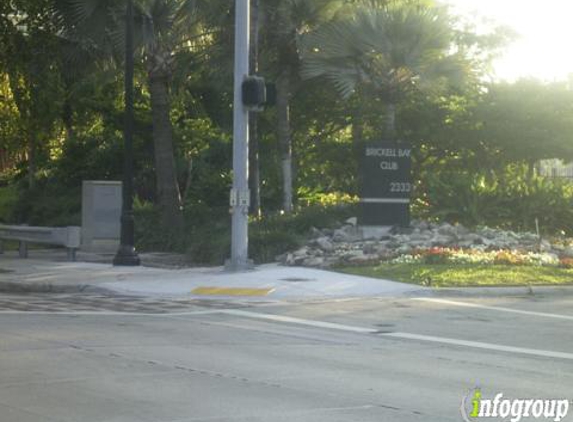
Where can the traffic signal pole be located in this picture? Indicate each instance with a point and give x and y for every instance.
(240, 195)
(126, 254)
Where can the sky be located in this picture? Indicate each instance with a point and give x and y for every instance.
(544, 49)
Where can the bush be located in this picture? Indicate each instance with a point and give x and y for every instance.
(207, 235)
(509, 200)
(264, 246)
(303, 219)
(48, 205)
(8, 201)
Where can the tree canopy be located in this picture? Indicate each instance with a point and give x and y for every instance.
(346, 72)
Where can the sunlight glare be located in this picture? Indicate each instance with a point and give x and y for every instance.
(544, 49)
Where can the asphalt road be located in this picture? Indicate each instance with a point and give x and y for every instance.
(357, 360)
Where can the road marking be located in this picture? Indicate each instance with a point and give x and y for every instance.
(399, 335)
(300, 321)
(111, 313)
(494, 308)
(329, 325)
(480, 345)
(230, 291)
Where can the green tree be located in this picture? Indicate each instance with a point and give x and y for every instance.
(29, 53)
(383, 51)
(166, 31)
(525, 122)
(283, 21)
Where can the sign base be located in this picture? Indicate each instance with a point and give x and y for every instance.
(374, 232)
(381, 214)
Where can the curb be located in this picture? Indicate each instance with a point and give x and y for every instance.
(13, 287)
(503, 291)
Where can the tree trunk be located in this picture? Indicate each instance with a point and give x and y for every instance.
(357, 128)
(284, 138)
(254, 167)
(357, 131)
(166, 175)
(32, 153)
(390, 129)
(68, 119)
(531, 173)
(25, 117)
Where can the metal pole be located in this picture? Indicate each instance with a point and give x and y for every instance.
(240, 195)
(126, 254)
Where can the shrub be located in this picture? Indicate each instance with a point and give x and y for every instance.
(48, 205)
(8, 201)
(264, 246)
(508, 199)
(207, 235)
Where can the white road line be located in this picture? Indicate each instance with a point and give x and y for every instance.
(493, 308)
(480, 345)
(110, 313)
(405, 336)
(334, 326)
(300, 321)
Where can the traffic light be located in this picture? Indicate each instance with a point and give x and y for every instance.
(254, 93)
(257, 93)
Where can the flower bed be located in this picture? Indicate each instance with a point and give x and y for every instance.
(474, 256)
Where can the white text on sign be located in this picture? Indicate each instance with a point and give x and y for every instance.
(388, 152)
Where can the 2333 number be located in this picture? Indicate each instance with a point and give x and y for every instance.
(398, 187)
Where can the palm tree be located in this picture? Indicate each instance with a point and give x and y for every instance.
(164, 29)
(385, 49)
(284, 20)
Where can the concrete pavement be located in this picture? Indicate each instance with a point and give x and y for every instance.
(48, 271)
(364, 360)
(317, 346)
(265, 283)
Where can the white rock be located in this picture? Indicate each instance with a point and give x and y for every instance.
(545, 246)
(301, 252)
(324, 244)
(313, 262)
(568, 252)
(346, 234)
(447, 230)
(353, 221)
(289, 259)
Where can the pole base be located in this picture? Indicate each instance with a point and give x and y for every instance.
(126, 256)
(234, 266)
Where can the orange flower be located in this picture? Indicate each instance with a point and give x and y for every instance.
(566, 262)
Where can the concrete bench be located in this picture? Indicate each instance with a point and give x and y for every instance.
(69, 237)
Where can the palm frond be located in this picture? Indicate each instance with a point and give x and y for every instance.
(391, 47)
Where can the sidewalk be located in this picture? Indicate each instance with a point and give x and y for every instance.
(46, 272)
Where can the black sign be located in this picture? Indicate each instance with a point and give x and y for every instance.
(385, 184)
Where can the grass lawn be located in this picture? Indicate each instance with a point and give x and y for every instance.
(449, 275)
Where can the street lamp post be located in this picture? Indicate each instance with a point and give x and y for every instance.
(126, 254)
(240, 195)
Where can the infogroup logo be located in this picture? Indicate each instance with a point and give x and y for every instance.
(475, 407)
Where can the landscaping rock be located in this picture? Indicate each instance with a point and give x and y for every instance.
(568, 252)
(325, 244)
(353, 221)
(317, 262)
(545, 246)
(346, 246)
(314, 233)
(346, 234)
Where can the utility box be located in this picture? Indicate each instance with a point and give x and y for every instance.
(101, 215)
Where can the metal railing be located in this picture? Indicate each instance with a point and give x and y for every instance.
(69, 237)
